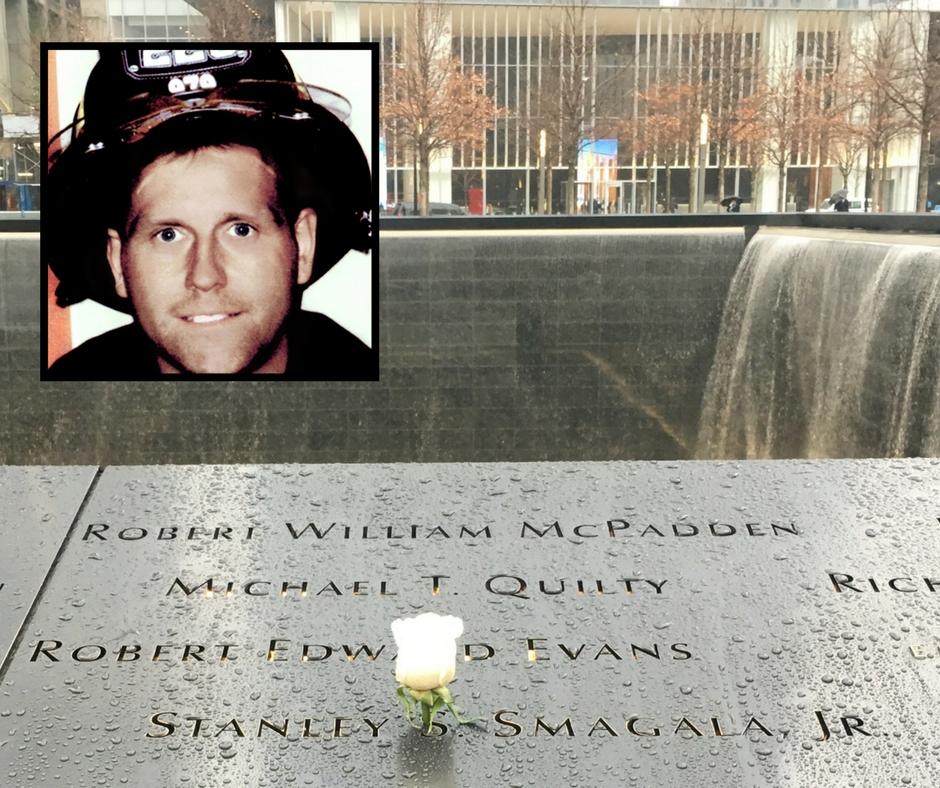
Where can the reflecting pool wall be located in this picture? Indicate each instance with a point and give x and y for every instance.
(525, 345)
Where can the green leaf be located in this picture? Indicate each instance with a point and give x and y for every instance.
(462, 720)
(431, 703)
(438, 705)
(408, 705)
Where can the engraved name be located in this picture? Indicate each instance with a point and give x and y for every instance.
(497, 585)
(537, 649)
(103, 532)
(283, 588)
(844, 583)
(314, 531)
(618, 527)
(507, 723)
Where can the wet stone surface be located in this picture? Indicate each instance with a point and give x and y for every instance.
(39, 505)
(689, 624)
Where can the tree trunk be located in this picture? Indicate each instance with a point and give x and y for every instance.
(571, 195)
(819, 166)
(781, 188)
(923, 169)
(668, 173)
(875, 180)
(424, 165)
(884, 178)
(721, 175)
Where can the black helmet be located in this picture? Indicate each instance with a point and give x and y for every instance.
(132, 93)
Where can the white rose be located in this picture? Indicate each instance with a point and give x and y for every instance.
(427, 650)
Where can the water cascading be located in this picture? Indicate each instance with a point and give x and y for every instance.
(829, 347)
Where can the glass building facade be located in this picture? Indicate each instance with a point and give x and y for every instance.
(155, 20)
(524, 50)
(620, 51)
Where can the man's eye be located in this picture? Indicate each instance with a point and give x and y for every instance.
(242, 230)
(168, 234)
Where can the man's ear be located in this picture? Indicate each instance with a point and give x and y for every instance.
(305, 233)
(114, 261)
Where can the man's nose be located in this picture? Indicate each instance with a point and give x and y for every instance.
(206, 269)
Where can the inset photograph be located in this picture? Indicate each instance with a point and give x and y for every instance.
(210, 212)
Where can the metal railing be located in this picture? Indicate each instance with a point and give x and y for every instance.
(883, 222)
(11, 221)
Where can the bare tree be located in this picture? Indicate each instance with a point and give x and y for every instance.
(429, 98)
(235, 20)
(879, 62)
(728, 62)
(719, 70)
(666, 122)
(847, 146)
(694, 73)
(914, 85)
(781, 96)
(750, 135)
(561, 101)
(21, 87)
(840, 118)
(574, 100)
(39, 22)
(823, 114)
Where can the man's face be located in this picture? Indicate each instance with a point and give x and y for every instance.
(209, 262)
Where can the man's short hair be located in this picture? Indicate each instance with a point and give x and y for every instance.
(183, 137)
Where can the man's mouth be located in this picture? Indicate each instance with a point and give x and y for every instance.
(210, 318)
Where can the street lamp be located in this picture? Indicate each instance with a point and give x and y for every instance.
(542, 151)
(702, 163)
(414, 205)
(416, 209)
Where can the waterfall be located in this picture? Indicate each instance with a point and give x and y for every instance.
(829, 347)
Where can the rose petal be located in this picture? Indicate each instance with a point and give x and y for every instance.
(427, 650)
